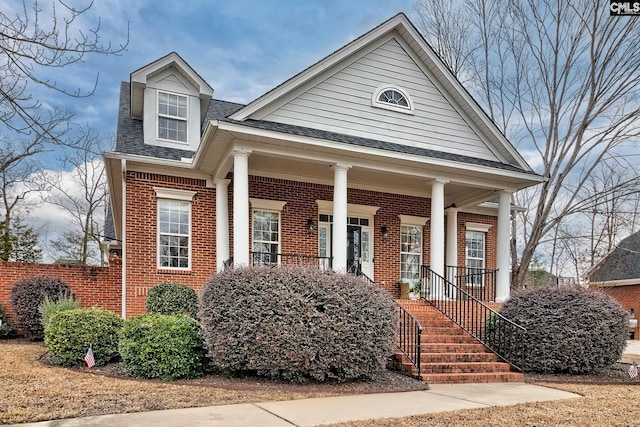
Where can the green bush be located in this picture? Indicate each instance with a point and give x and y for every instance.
(297, 324)
(569, 329)
(70, 333)
(51, 306)
(165, 347)
(172, 298)
(6, 326)
(28, 295)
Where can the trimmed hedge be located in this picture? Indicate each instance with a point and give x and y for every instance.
(70, 333)
(172, 298)
(165, 347)
(6, 327)
(297, 324)
(28, 295)
(569, 329)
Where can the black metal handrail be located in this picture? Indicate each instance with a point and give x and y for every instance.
(479, 282)
(499, 334)
(409, 333)
(272, 258)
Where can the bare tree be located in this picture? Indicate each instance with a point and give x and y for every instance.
(82, 193)
(34, 41)
(559, 78)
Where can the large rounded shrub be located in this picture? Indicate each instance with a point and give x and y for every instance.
(569, 329)
(297, 324)
(165, 347)
(172, 298)
(6, 327)
(70, 333)
(28, 295)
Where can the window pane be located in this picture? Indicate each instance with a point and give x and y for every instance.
(266, 237)
(410, 252)
(173, 229)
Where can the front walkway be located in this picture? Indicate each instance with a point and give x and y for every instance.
(326, 410)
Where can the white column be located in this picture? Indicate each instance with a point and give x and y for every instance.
(503, 281)
(452, 242)
(437, 236)
(339, 242)
(222, 223)
(241, 208)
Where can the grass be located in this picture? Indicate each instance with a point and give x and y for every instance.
(32, 391)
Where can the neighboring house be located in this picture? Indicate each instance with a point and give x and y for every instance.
(374, 160)
(618, 274)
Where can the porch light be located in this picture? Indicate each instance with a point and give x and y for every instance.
(310, 226)
(384, 231)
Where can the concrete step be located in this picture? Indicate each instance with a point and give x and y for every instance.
(471, 378)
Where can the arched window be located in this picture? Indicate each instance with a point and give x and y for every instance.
(392, 98)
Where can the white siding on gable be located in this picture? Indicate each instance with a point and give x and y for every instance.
(342, 103)
(169, 81)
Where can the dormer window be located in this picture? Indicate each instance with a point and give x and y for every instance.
(172, 117)
(392, 98)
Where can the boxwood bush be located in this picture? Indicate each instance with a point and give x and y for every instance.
(28, 295)
(172, 298)
(297, 324)
(70, 333)
(165, 347)
(6, 326)
(569, 329)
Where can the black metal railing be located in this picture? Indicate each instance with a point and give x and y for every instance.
(272, 258)
(409, 332)
(479, 282)
(499, 334)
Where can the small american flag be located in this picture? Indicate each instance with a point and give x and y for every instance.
(90, 361)
(633, 370)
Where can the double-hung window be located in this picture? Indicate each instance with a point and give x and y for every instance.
(410, 253)
(174, 228)
(266, 237)
(172, 117)
(475, 262)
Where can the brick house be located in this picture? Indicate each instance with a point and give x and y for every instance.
(374, 160)
(618, 274)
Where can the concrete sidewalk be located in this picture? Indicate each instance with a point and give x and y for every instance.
(312, 412)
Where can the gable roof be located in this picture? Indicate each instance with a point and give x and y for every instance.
(442, 77)
(622, 263)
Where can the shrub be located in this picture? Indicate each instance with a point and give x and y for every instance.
(6, 326)
(51, 306)
(28, 295)
(70, 333)
(569, 329)
(172, 298)
(297, 324)
(165, 347)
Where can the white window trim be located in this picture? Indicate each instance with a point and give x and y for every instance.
(421, 258)
(413, 220)
(476, 226)
(173, 194)
(267, 205)
(180, 198)
(378, 104)
(279, 212)
(158, 115)
(480, 229)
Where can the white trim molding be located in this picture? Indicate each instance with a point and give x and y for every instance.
(477, 226)
(269, 205)
(413, 220)
(173, 194)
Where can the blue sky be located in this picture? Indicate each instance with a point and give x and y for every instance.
(242, 48)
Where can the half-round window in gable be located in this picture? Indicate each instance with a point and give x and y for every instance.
(392, 98)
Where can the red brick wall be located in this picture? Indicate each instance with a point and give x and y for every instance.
(141, 237)
(628, 297)
(300, 198)
(94, 286)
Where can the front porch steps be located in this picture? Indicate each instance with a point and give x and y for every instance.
(449, 355)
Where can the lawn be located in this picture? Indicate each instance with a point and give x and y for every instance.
(31, 390)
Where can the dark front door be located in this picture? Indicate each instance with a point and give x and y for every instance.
(354, 249)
